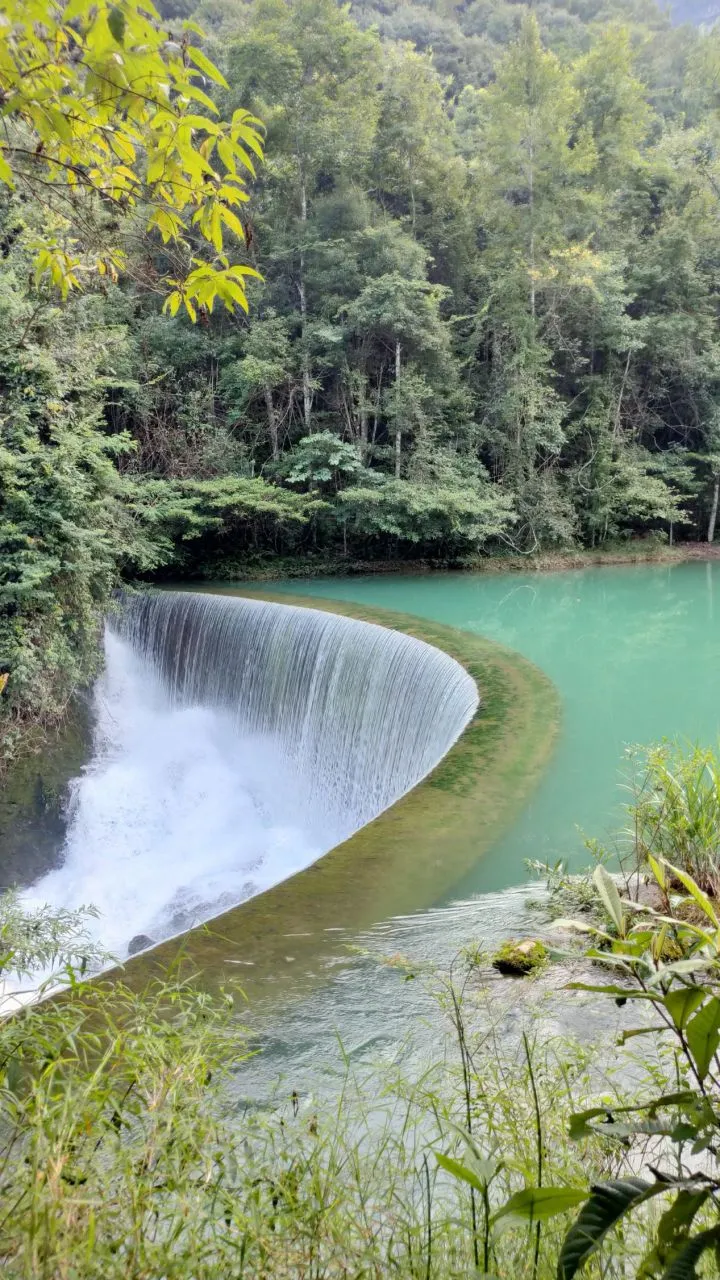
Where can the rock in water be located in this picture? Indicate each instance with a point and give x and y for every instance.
(519, 958)
(140, 942)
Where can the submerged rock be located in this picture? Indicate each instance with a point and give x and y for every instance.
(140, 942)
(520, 958)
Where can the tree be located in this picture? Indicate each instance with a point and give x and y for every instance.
(311, 74)
(402, 315)
(529, 149)
(108, 124)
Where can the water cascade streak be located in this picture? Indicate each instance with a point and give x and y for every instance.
(235, 742)
(357, 712)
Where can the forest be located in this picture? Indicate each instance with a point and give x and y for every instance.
(473, 311)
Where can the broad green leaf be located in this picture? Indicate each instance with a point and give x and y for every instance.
(536, 1204)
(579, 926)
(208, 68)
(684, 1264)
(703, 1035)
(695, 892)
(672, 1232)
(580, 1126)
(683, 1002)
(621, 993)
(116, 22)
(459, 1171)
(680, 967)
(658, 871)
(172, 302)
(483, 1165)
(641, 1031)
(608, 1203)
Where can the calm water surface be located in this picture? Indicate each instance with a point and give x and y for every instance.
(633, 650)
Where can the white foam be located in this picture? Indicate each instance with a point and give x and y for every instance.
(237, 741)
(176, 817)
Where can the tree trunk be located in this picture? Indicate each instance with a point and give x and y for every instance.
(398, 430)
(272, 422)
(714, 508)
(307, 389)
(618, 411)
(364, 425)
(376, 405)
(531, 185)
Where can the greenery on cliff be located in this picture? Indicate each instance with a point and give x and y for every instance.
(487, 321)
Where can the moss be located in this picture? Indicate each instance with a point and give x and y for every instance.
(517, 959)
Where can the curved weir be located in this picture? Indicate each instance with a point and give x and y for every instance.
(355, 713)
(236, 742)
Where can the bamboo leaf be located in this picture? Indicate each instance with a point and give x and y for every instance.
(536, 1204)
(608, 891)
(459, 1171)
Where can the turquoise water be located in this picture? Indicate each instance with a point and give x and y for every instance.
(634, 652)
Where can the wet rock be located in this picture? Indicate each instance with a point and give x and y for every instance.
(140, 942)
(517, 959)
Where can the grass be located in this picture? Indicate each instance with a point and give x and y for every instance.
(121, 1157)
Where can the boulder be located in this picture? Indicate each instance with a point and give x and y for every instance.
(140, 942)
(520, 958)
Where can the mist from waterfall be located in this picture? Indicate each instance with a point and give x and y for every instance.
(236, 741)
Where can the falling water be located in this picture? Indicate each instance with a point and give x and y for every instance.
(236, 742)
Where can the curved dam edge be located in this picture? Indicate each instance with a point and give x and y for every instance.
(407, 857)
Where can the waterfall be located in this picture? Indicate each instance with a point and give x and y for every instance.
(237, 741)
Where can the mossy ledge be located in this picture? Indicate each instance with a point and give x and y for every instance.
(411, 854)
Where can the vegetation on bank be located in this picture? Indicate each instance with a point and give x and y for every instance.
(268, 567)
(123, 1155)
(487, 320)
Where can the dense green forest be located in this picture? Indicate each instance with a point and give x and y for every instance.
(489, 244)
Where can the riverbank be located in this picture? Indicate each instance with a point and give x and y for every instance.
(639, 551)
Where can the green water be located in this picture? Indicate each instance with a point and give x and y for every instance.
(634, 652)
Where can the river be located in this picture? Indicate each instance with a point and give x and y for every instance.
(634, 652)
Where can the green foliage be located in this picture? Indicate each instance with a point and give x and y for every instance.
(674, 830)
(447, 518)
(123, 1154)
(487, 319)
(45, 940)
(103, 107)
(322, 461)
(61, 519)
(677, 811)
